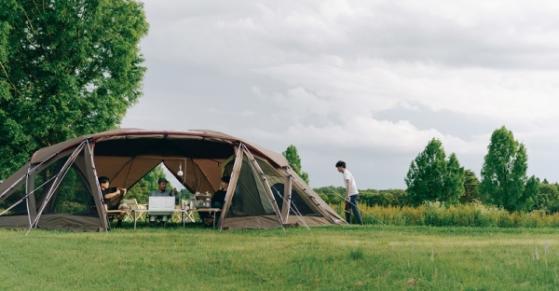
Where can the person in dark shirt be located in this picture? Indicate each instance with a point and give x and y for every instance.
(219, 196)
(112, 196)
(218, 199)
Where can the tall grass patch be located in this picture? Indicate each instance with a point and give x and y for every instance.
(473, 215)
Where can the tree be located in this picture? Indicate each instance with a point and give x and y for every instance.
(67, 68)
(294, 160)
(504, 170)
(547, 196)
(454, 181)
(530, 194)
(471, 187)
(433, 177)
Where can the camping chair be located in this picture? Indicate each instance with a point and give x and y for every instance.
(120, 214)
(115, 214)
(132, 205)
(187, 211)
(161, 206)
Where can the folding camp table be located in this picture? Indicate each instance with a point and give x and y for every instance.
(186, 213)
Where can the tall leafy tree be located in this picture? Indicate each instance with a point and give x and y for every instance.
(426, 177)
(504, 170)
(454, 182)
(294, 160)
(471, 187)
(433, 177)
(67, 68)
(530, 194)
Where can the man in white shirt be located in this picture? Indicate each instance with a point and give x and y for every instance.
(352, 194)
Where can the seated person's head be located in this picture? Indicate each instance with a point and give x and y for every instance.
(225, 182)
(104, 182)
(162, 182)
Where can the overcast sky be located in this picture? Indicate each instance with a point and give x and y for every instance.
(369, 82)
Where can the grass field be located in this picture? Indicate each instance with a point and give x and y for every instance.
(330, 258)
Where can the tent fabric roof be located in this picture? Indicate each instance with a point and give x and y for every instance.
(46, 153)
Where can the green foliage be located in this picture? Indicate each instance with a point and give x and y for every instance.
(504, 172)
(294, 160)
(471, 214)
(67, 68)
(530, 193)
(454, 181)
(390, 197)
(432, 177)
(471, 188)
(331, 194)
(547, 197)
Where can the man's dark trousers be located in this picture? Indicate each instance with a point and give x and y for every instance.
(351, 206)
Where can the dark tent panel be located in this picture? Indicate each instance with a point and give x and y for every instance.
(190, 148)
(14, 207)
(249, 199)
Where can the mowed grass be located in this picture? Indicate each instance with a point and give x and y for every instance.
(328, 258)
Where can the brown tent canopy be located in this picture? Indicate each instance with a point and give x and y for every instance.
(59, 186)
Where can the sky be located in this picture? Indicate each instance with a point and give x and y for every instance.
(367, 82)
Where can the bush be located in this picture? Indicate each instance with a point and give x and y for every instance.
(437, 214)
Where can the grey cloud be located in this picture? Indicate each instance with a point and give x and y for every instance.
(331, 77)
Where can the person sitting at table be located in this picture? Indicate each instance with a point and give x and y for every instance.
(112, 197)
(219, 196)
(160, 192)
(218, 199)
(162, 188)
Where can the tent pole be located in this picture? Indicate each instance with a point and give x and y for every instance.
(268, 188)
(287, 190)
(232, 184)
(30, 199)
(95, 188)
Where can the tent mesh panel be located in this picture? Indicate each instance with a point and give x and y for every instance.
(14, 196)
(249, 198)
(298, 203)
(278, 183)
(44, 179)
(72, 196)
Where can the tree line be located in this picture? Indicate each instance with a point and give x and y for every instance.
(434, 176)
(504, 180)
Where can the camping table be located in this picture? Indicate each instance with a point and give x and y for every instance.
(184, 213)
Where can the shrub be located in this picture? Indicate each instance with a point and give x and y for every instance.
(438, 214)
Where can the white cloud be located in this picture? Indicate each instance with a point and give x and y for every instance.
(372, 81)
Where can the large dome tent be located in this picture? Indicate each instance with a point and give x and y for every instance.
(58, 188)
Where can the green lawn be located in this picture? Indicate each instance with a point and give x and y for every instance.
(331, 258)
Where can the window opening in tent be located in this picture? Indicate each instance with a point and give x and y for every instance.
(299, 206)
(148, 183)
